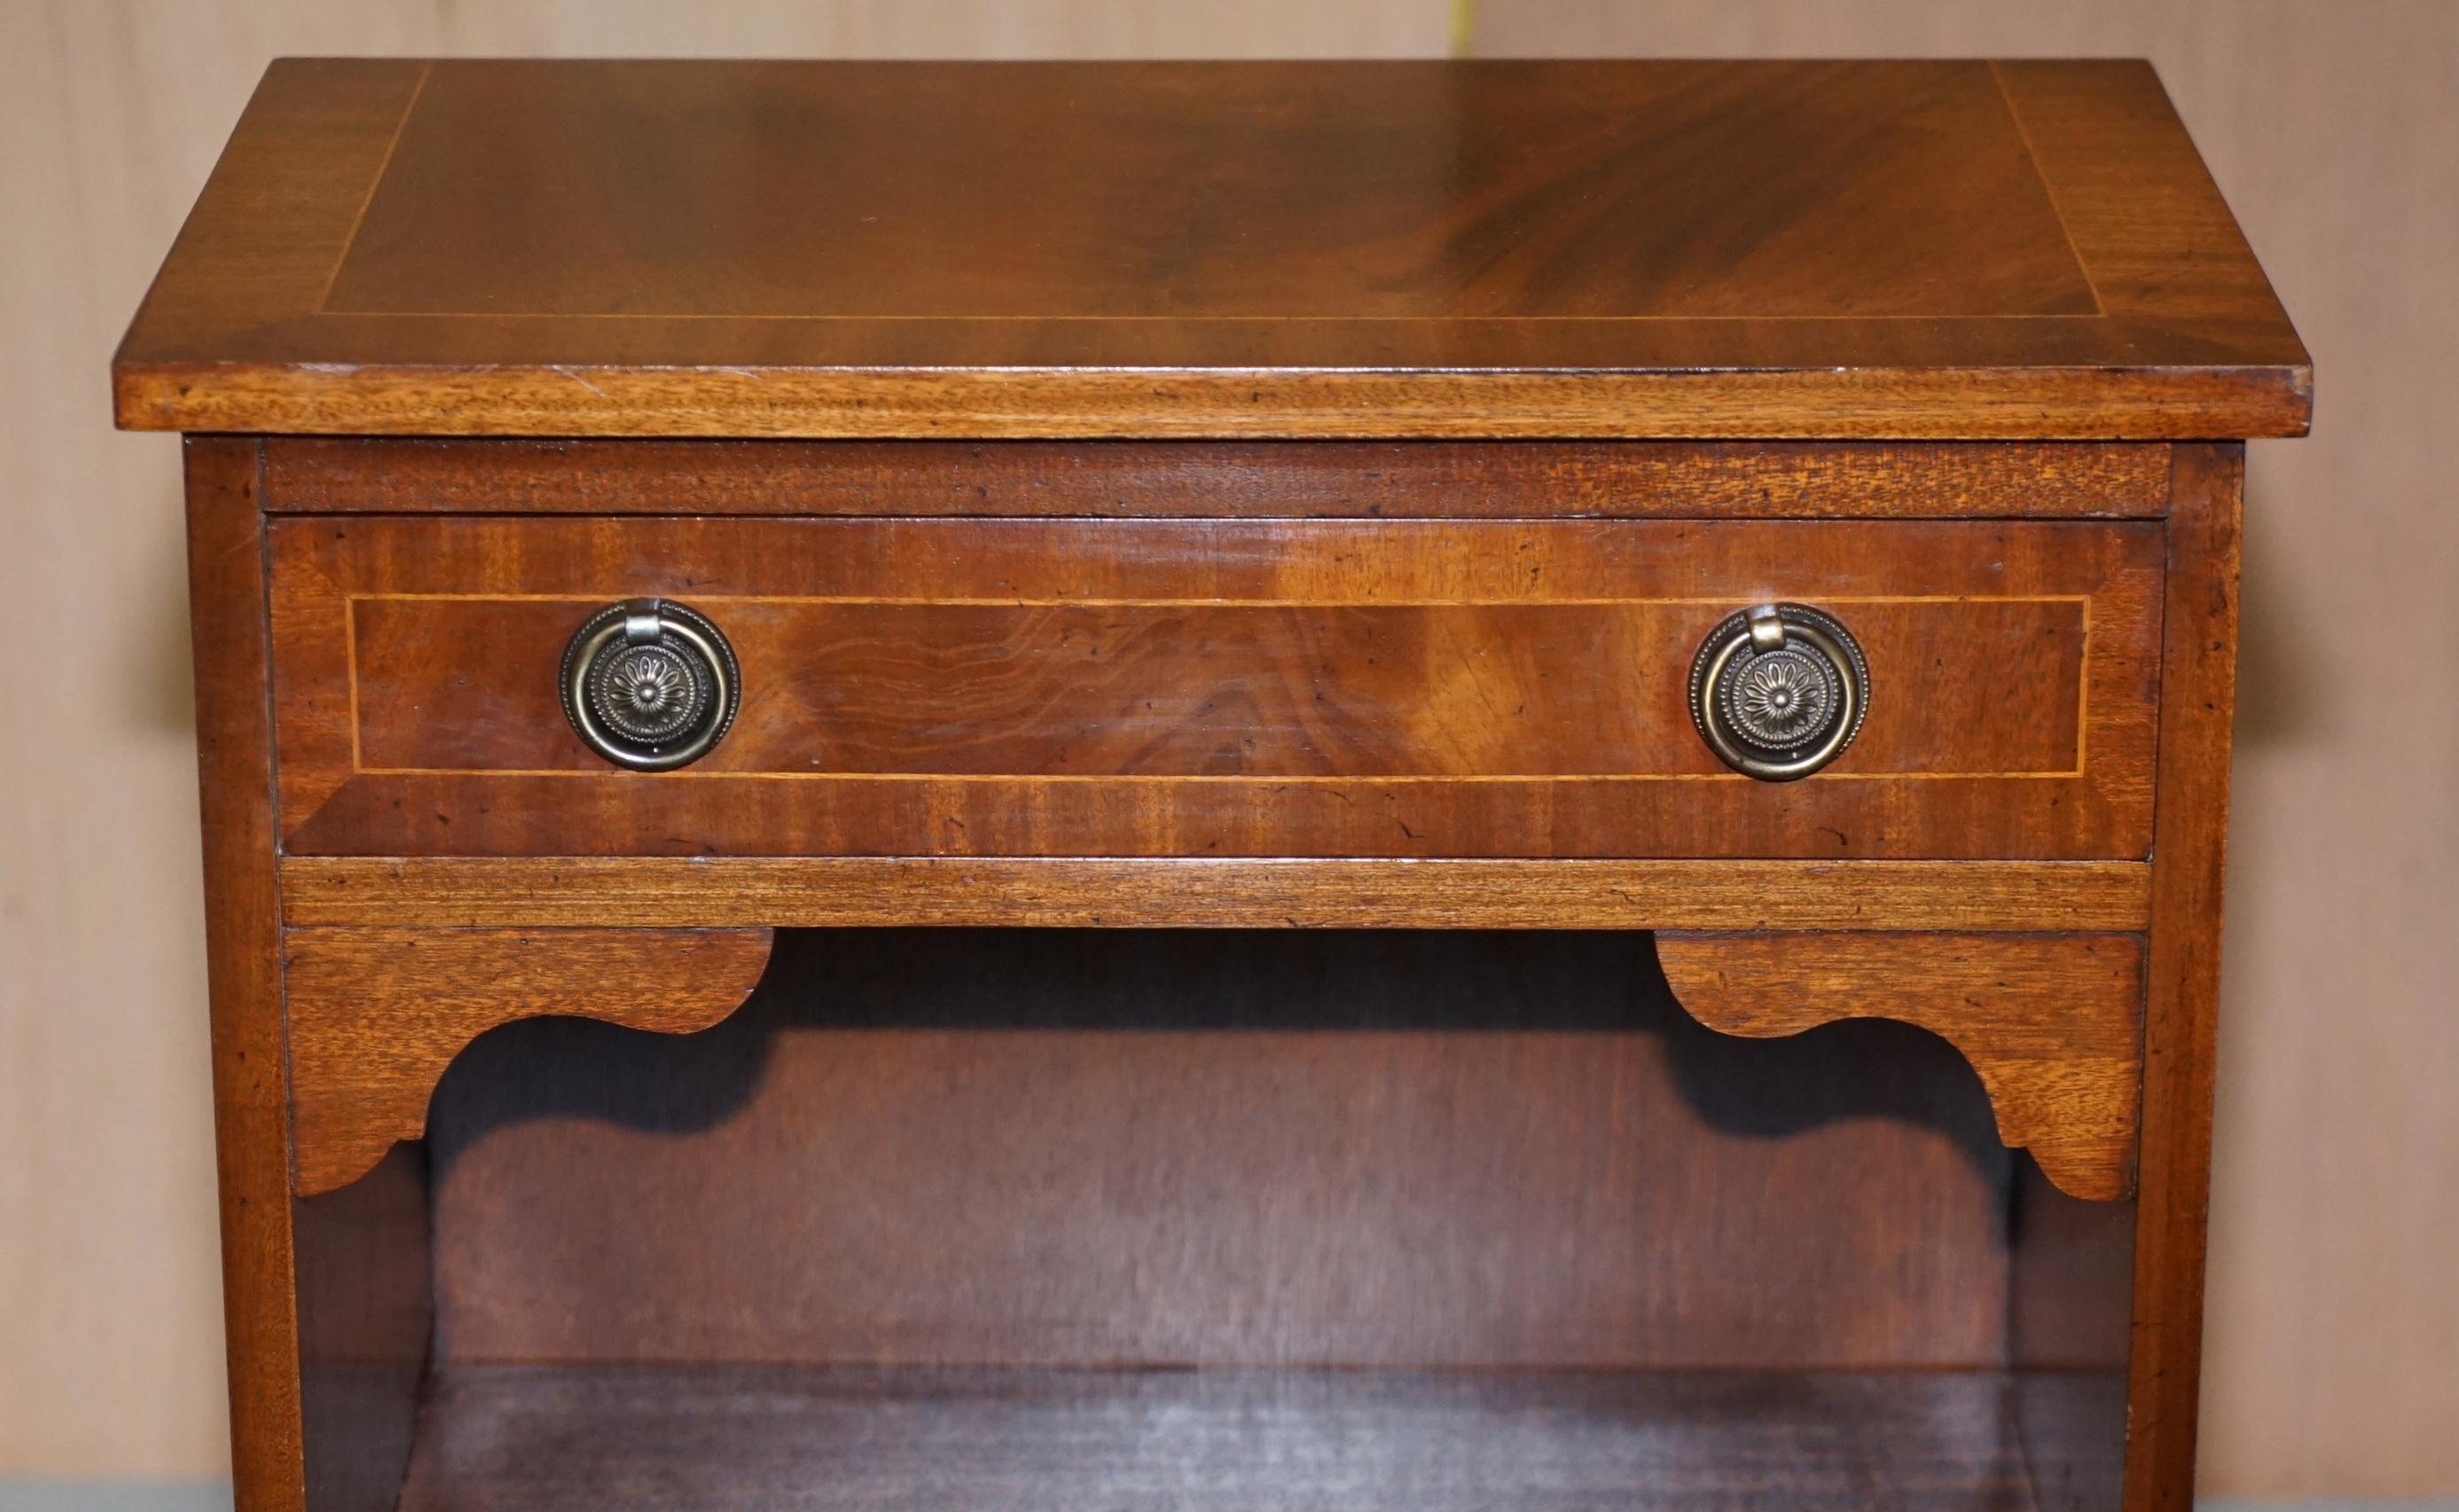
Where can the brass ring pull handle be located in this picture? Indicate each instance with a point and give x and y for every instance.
(1778, 690)
(650, 684)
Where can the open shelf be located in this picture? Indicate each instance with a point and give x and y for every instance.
(705, 1438)
(1061, 1221)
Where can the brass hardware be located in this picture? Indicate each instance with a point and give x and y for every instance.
(1778, 690)
(650, 684)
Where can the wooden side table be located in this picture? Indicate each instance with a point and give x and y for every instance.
(1390, 785)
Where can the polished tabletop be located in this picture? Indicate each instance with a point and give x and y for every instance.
(1511, 248)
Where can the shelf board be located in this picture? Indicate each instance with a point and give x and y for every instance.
(544, 1437)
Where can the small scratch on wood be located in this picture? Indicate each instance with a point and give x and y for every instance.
(576, 378)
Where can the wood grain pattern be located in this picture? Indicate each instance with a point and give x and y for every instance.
(2182, 1004)
(1220, 1149)
(1480, 689)
(547, 1438)
(252, 1136)
(1247, 479)
(1161, 689)
(646, 892)
(376, 1015)
(1824, 249)
(1591, 191)
(2053, 1025)
(2104, 174)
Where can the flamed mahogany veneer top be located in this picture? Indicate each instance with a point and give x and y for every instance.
(1828, 249)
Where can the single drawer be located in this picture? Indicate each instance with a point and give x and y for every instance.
(1003, 686)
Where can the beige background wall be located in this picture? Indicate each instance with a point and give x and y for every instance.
(2334, 1364)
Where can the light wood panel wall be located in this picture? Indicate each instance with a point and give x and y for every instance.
(2333, 1345)
(111, 113)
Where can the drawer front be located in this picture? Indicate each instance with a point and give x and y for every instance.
(1213, 687)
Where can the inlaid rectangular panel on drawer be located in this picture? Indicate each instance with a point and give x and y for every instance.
(1213, 687)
